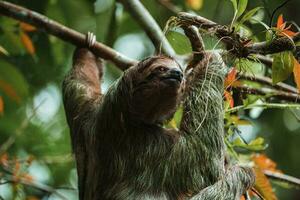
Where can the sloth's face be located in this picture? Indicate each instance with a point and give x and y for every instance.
(164, 73)
(157, 88)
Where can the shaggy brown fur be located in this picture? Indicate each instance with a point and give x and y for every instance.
(123, 151)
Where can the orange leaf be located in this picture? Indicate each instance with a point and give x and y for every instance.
(282, 29)
(27, 27)
(27, 43)
(280, 22)
(4, 159)
(230, 78)
(15, 173)
(17, 166)
(229, 98)
(1, 105)
(28, 178)
(9, 91)
(264, 163)
(263, 185)
(297, 73)
(288, 33)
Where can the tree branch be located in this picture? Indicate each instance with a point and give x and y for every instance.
(146, 21)
(275, 46)
(282, 177)
(69, 35)
(235, 43)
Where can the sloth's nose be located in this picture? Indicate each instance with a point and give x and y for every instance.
(176, 73)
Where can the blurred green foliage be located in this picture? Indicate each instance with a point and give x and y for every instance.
(33, 123)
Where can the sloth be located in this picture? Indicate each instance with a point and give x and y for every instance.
(122, 149)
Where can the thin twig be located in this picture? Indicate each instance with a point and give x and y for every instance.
(283, 178)
(4, 182)
(11, 178)
(257, 193)
(10, 141)
(52, 27)
(146, 21)
(263, 105)
(169, 5)
(267, 81)
(291, 97)
(276, 9)
(47, 159)
(246, 195)
(36, 185)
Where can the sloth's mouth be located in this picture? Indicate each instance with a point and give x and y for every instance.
(172, 78)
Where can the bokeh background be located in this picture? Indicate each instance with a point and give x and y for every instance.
(33, 131)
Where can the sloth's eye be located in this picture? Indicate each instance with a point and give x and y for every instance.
(162, 69)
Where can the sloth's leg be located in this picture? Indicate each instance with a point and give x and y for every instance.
(232, 186)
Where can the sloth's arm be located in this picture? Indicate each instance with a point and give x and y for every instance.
(81, 96)
(202, 120)
(82, 85)
(203, 103)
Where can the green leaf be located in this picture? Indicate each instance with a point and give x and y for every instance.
(251, 99)
(257, 141)
(243, 30)
(254, 145)
(270, 35)
(261, 23)
(249, 14)
(282, 66)
(257, 145)
(235, 5)
(179, 42)
(12, 82)
(250, 67)
(176, 120)
(102, 5)
(238, 142)
(241, 7)
(178, 115)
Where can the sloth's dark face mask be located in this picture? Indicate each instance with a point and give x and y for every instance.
(157, 88)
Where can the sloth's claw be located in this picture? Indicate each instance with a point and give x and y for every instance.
(90, 39)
